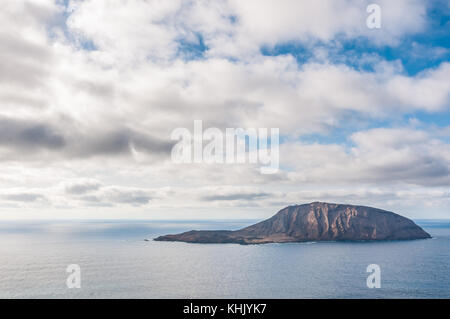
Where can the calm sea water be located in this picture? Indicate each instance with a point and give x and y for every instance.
(116, 262)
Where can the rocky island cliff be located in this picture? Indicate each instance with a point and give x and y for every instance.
(314, 222)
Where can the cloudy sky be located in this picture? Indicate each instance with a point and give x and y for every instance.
(90, 92)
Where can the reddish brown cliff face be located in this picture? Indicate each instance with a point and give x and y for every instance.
(314, 222)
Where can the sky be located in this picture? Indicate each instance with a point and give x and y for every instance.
(90, 92)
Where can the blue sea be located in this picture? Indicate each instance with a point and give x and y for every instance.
(116, 262)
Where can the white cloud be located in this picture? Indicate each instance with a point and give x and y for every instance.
(379, 156)
(154, 29)
(128, 30)
(82, 128)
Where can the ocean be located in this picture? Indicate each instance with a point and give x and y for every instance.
(116, 262)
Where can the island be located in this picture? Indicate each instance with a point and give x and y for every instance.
(316, 221)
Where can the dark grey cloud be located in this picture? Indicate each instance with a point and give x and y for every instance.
(22, 197)
(111, 196)
(66, 140)
(102, 90)
(130, 197)
(151, 144)
(23, 134)
(90, 198)
(94, 201)
(119, 142)
(110, 143)
(420, 170)
(82, 188)
(235, 196)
